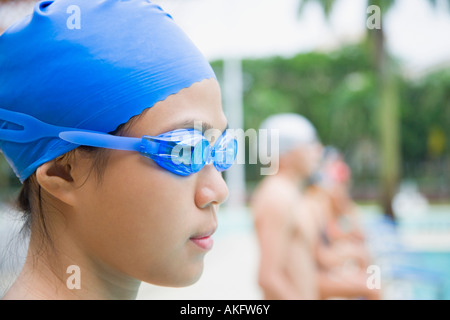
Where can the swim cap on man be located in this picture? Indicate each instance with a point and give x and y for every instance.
(90, 64)
(294, 130)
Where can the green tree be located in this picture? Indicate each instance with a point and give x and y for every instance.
(388, 119)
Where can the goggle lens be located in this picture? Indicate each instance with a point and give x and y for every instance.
(185, 152)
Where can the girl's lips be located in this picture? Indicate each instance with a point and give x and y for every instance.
(205, 243)
(204, 240)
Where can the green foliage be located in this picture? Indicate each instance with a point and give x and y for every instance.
(331, 91)
(425, 109)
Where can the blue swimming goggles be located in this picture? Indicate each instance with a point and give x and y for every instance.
(182, 151)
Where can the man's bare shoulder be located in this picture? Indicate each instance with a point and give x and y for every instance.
(274, 187)
(274, 195)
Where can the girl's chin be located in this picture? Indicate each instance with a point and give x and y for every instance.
(183, 278)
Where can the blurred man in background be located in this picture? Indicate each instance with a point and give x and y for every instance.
(283, 224)
(311, 245)
(341, 254)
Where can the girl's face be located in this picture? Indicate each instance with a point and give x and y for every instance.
(144, 221)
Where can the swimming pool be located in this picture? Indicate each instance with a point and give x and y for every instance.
(413, 253)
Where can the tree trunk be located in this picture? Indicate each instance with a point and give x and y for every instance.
(388, 123)
(389, 143)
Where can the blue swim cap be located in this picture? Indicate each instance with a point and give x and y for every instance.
(90, 64)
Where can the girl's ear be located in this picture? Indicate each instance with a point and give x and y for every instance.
(56, 178)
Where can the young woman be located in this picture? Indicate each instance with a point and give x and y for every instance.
(105, 107)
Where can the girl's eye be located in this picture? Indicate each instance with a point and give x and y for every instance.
(212, 141)
(185, 156)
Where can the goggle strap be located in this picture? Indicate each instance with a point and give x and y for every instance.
(32, 128)
(102, 140)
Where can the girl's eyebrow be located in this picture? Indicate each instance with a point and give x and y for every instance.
(187, 124)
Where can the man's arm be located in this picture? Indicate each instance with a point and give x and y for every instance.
(272, 212)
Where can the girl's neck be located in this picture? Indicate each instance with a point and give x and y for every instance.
(55, 274)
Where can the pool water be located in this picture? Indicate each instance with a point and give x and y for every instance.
(413, 253)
